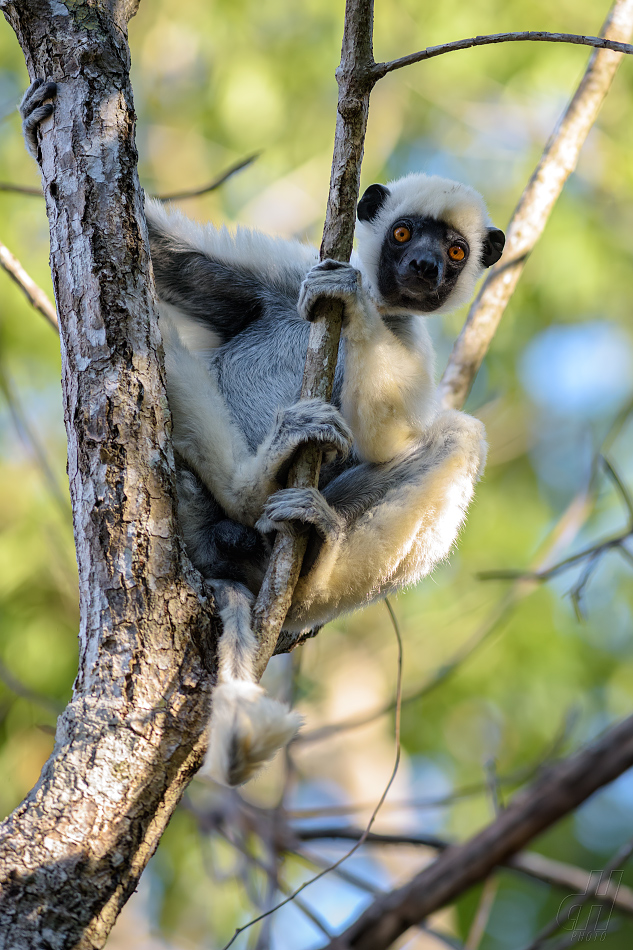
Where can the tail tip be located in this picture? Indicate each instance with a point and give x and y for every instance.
(247, 728)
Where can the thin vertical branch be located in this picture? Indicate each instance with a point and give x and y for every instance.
(533, 211)
(355, 83)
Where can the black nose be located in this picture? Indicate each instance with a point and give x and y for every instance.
(427, 269)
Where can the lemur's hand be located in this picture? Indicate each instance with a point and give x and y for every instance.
(331, 279)
(34, 109)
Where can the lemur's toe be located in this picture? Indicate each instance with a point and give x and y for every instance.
(291, 508)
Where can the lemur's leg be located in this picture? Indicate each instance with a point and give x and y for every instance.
(382, 526)
(388, 395)
(34, 109)
(247, 727)
(207, 438)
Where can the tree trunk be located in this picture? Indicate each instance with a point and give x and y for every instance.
(133, 734)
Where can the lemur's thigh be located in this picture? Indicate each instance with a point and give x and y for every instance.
(400, 518)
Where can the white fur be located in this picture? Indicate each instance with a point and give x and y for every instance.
(247, 729)
(432, 461)
(252, 249)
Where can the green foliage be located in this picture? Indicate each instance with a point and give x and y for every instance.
(213, 83)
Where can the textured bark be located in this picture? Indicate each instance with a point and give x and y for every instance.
(532, 213)
(130, 739)
(355, 81)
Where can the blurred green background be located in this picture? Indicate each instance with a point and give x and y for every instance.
(215, 82)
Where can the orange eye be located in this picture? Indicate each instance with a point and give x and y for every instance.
(456, 253)
(402, 234)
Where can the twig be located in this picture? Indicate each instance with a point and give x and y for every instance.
(535, 206)
(557, 793)
(591, 554)
(355, 84)
(31, 441)
(335, 832)
(25, 692)
(21, 189)
(367, 831)
(620, 486)
(497, 617)
(34, 294)
(530, 863)
(591, 893)
(196, 192)
(175, 196)
(525, 36)
(482, 915)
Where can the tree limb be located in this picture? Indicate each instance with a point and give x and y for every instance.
(134, 733)
(532, 213)
(355, 84)
(34, 294)
(566, 876)
(561, 789)
(525, 36)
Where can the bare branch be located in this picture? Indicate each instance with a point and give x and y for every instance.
(134, 732)
(535, 865)
(536, 204)
(620, 487)
(25, 692)
(482, 915)
(561, 789)
(525, 36)
(596, 886)
(21, 189)
(355, 84)
(497, 618)
(31, 442)
(34, 294)
(176, 196)
(196, 192)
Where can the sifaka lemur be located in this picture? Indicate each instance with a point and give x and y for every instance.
(398, 472)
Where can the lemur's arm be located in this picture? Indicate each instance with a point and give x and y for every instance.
(224, 281)
(388, 389)
(208, 439)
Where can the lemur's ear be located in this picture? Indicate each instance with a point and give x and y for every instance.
(371, 202)
(493, 247)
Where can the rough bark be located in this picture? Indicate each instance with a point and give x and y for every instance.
(130, 739)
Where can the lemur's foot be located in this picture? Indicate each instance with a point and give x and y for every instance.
(293, 508)
(332, 279)
(312, 421)
(34, 109)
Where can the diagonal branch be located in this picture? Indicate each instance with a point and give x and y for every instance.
(34, 294)
(532, 213)
(558, 792)
(531, 863)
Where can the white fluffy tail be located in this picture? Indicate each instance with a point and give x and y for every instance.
(247, 727)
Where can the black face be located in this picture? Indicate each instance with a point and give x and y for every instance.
(420, 262)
